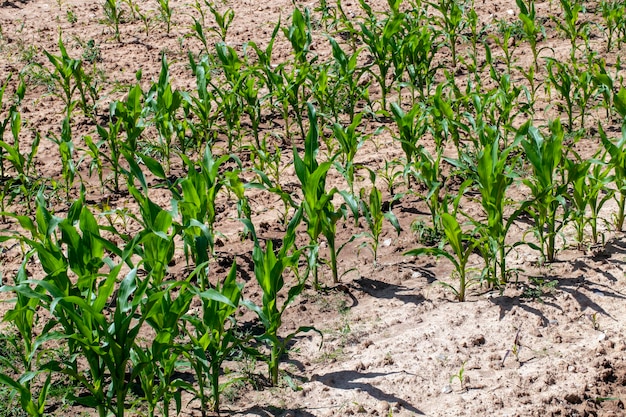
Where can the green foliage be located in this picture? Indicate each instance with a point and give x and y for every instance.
(269, 269)
(459, 257)
(319, 213)
(548, 206)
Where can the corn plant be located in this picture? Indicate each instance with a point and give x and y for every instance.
(477, 33)
(451, 19)
(614, 17)
(69, 76)
(411, 127)
(223, 20)
(272, 74)
(201, 106)
(231, 103)
(164, 103)
(212, 339)
(350, 140)
(548, 206)
(444, 118)
(158, 363)
(319, 213)
(113, 15)
(197, 205)
(427, 170)
(66, 148)
(293, 90)
(383, 41)
(130, 114)
(589, 180)
(269, 268)
(31, 347)
(575, 86)
(349, 86)
(165, 13)
(462, 246)
(80, 307)
(495, 175)
(505, 38)
(23, 180)
(571, 25)
(617, 162)
(531, 28)
(372, 209)
(418, 51)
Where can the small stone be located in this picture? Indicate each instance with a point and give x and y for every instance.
(446, 390)
(478, 340)
(387, 242)
(573, 399)
(383, 408)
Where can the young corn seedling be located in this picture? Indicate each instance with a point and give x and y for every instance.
(66, 149)
(159, 361)
(505, 38)
(197, 205)
(223, 20)
(69, 76)
(31, 347)
(165, 13)
(383, 40)
(575, 86)
(23, 180)
(531, 28)
(462, 247)
(494, 172)
(547, 207)
(452, 20)
(374, 214)
(201, 107)
(577, 172)
(350, 140)
(272, 74)
(418, 51)
(269, 268)
(411, 127)
(589, 181)
(427, 171)
(212, 338)
(164, 103)
(349, 84)
(293, 90)
(231, 102)
(571, 25)
(113, 15)
(269, 169)
(78, 309)
(614, 16)
(130, 115)
(617, 162)
(319, 212)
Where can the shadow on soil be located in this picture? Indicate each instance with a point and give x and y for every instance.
(381, 289)
(351, 380)
(268, 412)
